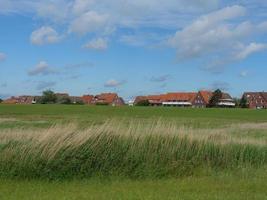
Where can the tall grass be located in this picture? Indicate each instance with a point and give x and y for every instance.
(135, 149)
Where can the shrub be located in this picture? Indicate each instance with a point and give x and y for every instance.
(48, 97)
(143, 103)
(214, 100)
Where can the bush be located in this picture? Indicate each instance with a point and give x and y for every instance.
(214, 100)
(143, 103)
(48, 97)
(243, 102)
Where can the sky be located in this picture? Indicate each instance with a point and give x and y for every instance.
(132, 47)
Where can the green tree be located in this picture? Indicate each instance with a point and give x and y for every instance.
(1, 100)
(216, 96)
(48, 97)
(237, 102)
(243, 102)
(143, 103)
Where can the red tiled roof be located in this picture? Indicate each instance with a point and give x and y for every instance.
(87, 99)
(206, 95)
(106, 98)
(180, 96)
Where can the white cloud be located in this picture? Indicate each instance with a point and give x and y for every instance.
(114, 83)
(207, 34)
(44, 35)
(88, 22)
(99, 44)
(2, 56)
(250, 49)
(42, 68)
(81, 6)
(218, 38)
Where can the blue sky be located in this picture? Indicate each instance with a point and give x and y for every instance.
(132, 47)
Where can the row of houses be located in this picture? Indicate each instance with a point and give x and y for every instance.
(186, 99)
(200, 99)
(101, 99)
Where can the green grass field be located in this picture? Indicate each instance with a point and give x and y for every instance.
(98, 152)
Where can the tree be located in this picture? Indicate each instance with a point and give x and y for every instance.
(243, 102)
(143, 103)
(48, 97)
(1, 100)
(214, 100)
(237, 102)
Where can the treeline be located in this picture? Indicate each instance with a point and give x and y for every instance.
(49, 97)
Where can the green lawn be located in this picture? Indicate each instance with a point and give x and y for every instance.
(45, 115)
(196, 188)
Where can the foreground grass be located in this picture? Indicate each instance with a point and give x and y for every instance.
(191, 188)
(133, 150)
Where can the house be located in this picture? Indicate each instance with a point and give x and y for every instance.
(108, 99)
(202, 99)
(179, 99)
(256, 100)
(155, 100)
(87, 99)
(182, 99)
(21, 100)
(76, 99)
(226, 101)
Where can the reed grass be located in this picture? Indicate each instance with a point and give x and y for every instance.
(132, 150)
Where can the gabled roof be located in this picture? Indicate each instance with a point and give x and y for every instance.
(206, 95)
(87, 98)
(106, 97)
(226, 96)
(180, 96)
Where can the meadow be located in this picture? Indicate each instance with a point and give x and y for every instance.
(192, 153)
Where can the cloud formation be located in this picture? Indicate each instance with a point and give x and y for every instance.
(44, 35)
(216, 36)
(114, 83)
(42, 68)
(99, 44)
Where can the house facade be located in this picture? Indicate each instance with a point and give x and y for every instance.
(87, 99)
(179, 99)
(20, 100)
(201, 99)
(108, 99)
(256, 100)
(226, 101)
